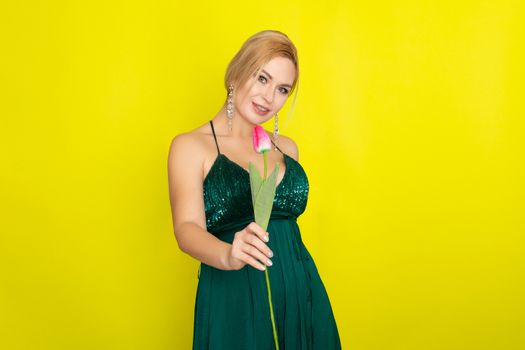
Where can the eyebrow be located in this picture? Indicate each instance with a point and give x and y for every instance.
(290, 86)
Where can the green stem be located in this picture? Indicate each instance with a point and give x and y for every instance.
(271, 308)
(268, 281)
(264, 157)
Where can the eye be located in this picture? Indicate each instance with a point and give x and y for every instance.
(262, 76)
(284, 91)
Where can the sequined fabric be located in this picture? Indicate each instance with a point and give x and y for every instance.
(227, 195)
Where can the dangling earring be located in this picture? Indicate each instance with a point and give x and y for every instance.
(230, 107)
(275, 131)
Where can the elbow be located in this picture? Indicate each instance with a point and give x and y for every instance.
(180, 238)
(181, 245)
(185, 233)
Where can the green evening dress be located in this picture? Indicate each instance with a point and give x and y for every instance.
(231, 308)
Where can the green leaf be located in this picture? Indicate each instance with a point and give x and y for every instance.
(255, 182)
(263, 200)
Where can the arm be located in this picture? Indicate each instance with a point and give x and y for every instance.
(185, 175)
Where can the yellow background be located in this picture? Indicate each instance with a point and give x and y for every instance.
(409, 121)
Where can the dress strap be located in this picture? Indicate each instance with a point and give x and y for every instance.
(277, 147)
(215, 137)
(216, 144)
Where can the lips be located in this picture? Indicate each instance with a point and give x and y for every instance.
(262, 109)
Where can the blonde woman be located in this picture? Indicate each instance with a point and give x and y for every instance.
(213, 215)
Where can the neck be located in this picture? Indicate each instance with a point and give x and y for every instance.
(241, 128)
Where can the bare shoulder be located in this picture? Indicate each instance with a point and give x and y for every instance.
(190, 144)
(288, 146)
(185, 176)
(185, 146)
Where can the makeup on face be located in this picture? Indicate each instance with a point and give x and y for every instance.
(259, 109)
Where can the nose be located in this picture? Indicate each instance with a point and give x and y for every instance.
(268, 94)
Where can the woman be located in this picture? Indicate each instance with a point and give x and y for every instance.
(213, 215)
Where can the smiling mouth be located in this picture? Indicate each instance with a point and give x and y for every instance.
(260, 108)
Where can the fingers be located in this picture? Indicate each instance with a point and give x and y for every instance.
(250, 260)
(250, 246)
(255, 240)
(258, 231)
(256, 253)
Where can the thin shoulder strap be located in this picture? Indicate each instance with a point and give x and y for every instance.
(215, 137)
(216, 144)
(277, 147)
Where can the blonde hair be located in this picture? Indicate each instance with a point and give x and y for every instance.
(258, 50)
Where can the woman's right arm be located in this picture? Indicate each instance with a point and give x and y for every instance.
(185, 175)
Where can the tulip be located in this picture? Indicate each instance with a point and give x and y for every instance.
(263, 193)
(261, 141)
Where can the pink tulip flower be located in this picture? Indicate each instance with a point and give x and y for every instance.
(261, 141)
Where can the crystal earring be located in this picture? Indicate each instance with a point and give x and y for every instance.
(230, 107)
(275, 130)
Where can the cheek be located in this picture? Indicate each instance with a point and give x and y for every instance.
(242, 102)
(281, 99)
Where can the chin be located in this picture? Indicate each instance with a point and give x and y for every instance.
(257, 119)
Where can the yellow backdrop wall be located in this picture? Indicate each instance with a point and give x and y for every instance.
(409, 121)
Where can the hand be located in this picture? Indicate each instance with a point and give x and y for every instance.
(247, 246)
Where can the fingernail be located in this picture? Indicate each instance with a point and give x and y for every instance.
(270, 262)
(270, 254)
(266, 238)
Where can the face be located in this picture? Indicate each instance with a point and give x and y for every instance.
(270, 90)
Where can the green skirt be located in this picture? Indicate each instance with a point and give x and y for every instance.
(232, 309)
